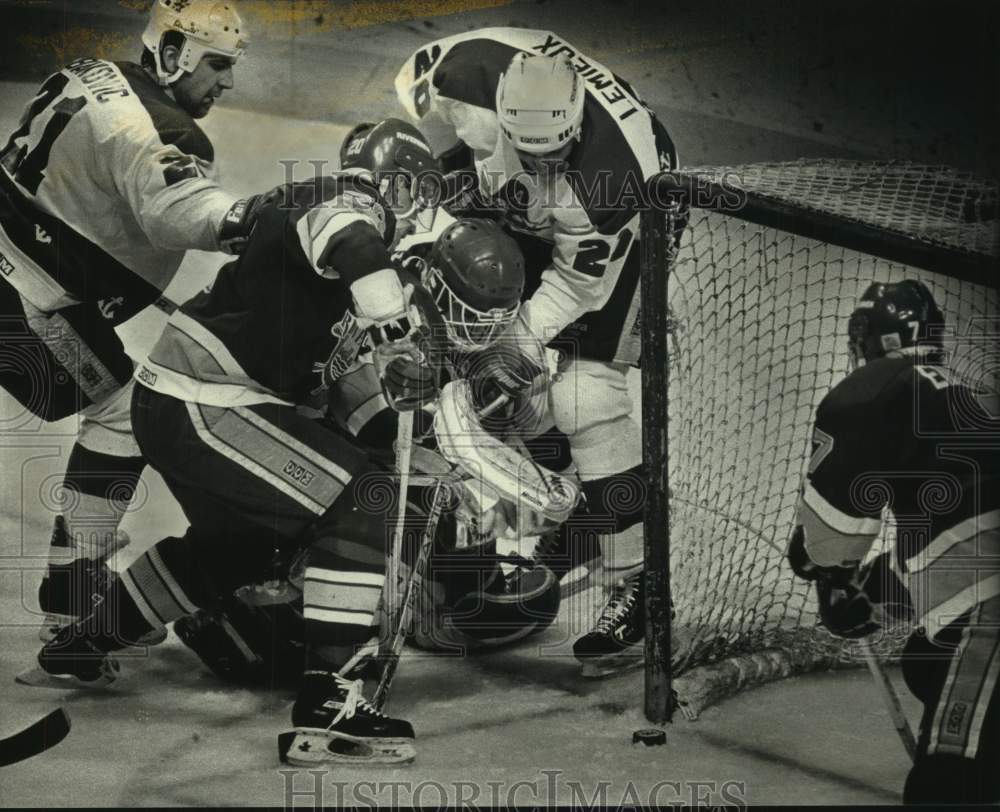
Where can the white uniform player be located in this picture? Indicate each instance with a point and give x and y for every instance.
(560, 149)
(105, 184)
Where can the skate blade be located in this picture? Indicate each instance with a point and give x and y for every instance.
(38, 677)
(602, 667)
(308, 748)
(578, 579)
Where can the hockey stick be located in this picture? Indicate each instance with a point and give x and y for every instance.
(404, 454)
(892, 703)
(415, 582)
(37, 738)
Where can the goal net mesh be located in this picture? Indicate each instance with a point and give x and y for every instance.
(758, 336)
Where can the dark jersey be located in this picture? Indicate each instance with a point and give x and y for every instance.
(104, 185)
(279, 319)
(908, 436)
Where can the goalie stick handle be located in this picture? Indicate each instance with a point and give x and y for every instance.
(891, 699)
(404, 455)
(414, 583)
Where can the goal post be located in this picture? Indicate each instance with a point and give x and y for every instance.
(748, 277)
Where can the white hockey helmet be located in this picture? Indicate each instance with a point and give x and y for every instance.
(208, 26)
(540, 102)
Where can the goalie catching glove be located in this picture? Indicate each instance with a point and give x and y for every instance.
(463, 441)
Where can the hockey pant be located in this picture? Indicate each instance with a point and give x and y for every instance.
(957, 678)
(264, 477)
(71, 362)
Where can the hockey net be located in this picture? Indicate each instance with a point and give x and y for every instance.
(761, 283)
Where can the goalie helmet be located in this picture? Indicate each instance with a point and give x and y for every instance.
(540, 103)
(390, 149)
(475, 272)
(208, 27)
(891, 317)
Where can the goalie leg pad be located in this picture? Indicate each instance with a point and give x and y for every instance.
(469, 602)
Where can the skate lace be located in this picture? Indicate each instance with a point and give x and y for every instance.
(619, 605)
(353, 699)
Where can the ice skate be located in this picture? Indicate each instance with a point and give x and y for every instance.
(70, 591)
(335, 724)
(614, 644)
(70, 662)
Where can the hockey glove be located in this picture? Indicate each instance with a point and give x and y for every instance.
(874, 599)
(400, 317)
(462, 197)
(500, 369)
(238, 224)
(846, 611)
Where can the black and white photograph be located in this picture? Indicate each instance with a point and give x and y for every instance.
(499, 403)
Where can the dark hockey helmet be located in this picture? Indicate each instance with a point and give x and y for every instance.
(390, 150)
(475, 272)
(893, 316)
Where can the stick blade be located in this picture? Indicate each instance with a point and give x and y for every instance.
(47, 732)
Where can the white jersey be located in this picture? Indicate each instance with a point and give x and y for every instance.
(105, 184)
(590, 213)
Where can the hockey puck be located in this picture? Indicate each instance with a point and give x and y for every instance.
(650, 736)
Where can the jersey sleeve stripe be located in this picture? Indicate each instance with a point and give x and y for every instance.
(943, 595)
(833, 539)
(973, 537)
(836, 519)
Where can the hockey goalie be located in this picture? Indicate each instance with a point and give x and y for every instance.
(492, 394)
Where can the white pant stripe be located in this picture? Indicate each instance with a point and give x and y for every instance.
(310, 454)
(244, 461)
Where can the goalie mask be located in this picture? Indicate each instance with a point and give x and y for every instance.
(208, 27)
(893, 317)
(475, 272)
(539, 104)
(400, 159)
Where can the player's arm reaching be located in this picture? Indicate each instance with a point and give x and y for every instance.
(839, 517)
(173, 189)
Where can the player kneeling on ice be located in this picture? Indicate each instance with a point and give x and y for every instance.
(472, 597)
(904, 432)
(216, 414)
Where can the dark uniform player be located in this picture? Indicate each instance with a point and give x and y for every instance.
(104, 185)
(216, 414)
(902, 432)
(475, 273)
(563, 147)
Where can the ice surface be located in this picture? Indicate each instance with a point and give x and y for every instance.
(169, 733)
